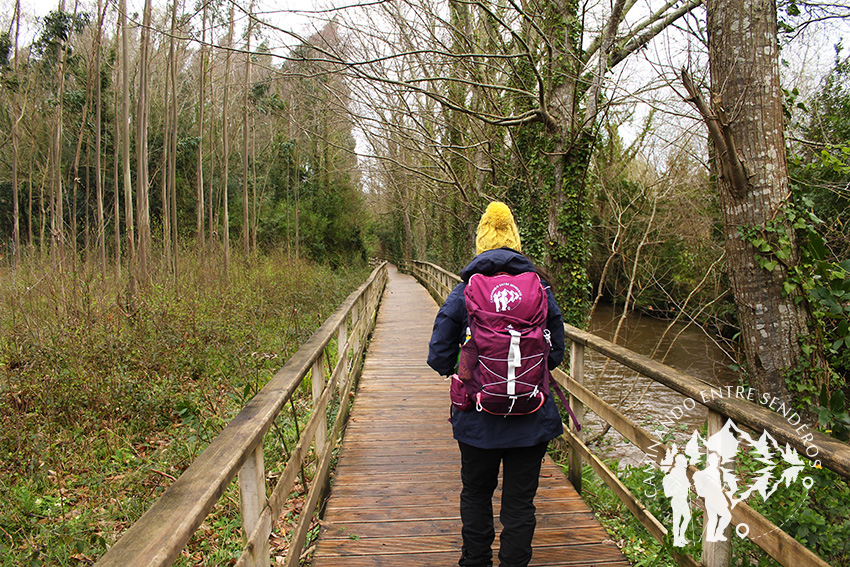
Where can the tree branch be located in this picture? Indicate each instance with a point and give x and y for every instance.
(635, 42)
(731, 166)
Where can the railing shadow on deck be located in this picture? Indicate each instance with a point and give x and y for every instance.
(159, 536)
(830, 453)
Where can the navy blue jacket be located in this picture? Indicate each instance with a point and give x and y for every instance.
(481, 429)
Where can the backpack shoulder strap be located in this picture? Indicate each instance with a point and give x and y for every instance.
(554, 386)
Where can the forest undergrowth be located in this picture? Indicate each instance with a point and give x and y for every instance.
(105, 401)
(816, 516)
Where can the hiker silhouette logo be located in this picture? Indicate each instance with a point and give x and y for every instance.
(505, 296)
(706, 468)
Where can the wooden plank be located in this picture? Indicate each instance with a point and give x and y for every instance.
(604, 555)
(551, 534)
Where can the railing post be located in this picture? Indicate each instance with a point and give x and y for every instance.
(716, 553)
(252, 492)
(318, 379)
(355, 326)
(342, 354)
(577, 375)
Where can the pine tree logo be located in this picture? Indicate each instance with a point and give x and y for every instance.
(715, 479)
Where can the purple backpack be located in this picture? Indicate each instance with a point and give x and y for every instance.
(503, 367)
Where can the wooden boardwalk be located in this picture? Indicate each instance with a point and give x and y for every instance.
(396, 489)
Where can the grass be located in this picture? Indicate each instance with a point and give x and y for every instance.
(104, 401)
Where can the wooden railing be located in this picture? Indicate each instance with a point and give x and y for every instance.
(830, 453)
(159, 536)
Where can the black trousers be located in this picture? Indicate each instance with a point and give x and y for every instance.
(480, 476)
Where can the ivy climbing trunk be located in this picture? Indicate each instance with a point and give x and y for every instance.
(743, 51)
(556, 212)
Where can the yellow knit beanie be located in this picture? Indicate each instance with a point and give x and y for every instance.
(497, 229)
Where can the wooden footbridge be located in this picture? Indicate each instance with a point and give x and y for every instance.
(394, 492)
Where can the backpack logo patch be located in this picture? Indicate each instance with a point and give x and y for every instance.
(505, 296)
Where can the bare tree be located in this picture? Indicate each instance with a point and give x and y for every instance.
(142, 175)
(225, 138)
(199, 191)
(98, 140)
(16, 119)
(125, 150)
(246, 225)
(537, 69)
(57, 222)
(171, 204)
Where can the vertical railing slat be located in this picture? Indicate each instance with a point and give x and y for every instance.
(252, 490)
(716, 553)
(577, 375)
(342, 351)
(318, 384)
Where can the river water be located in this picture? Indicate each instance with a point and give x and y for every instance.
(686, 348)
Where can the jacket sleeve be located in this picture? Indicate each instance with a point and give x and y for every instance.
(449, 326)
(555, 324)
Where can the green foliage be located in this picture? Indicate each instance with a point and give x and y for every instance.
(100, 405)
(5, 49)
(564, 254)
(832, 413)
(633, 539)
(56, 30)
(817, 516)
(821, 164)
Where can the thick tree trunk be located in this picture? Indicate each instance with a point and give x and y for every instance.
(743, 51)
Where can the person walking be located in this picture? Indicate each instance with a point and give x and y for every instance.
(516, 443)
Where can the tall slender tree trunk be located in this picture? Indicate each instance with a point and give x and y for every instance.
(165, 169)
(87, 220)
(256, 208)
(16, 118)
(246, 224)
(76, 182)
(57, 216)
(172, 166)
(116, 153)
(225, 137)
(30, 235)
(213, 158)
(125, 152)
(743, 55)
(142, 174)
(199, 198)
(98, 149)
(297, 184)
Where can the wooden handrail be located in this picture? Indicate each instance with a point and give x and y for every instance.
(831, 453)
(159, 536)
